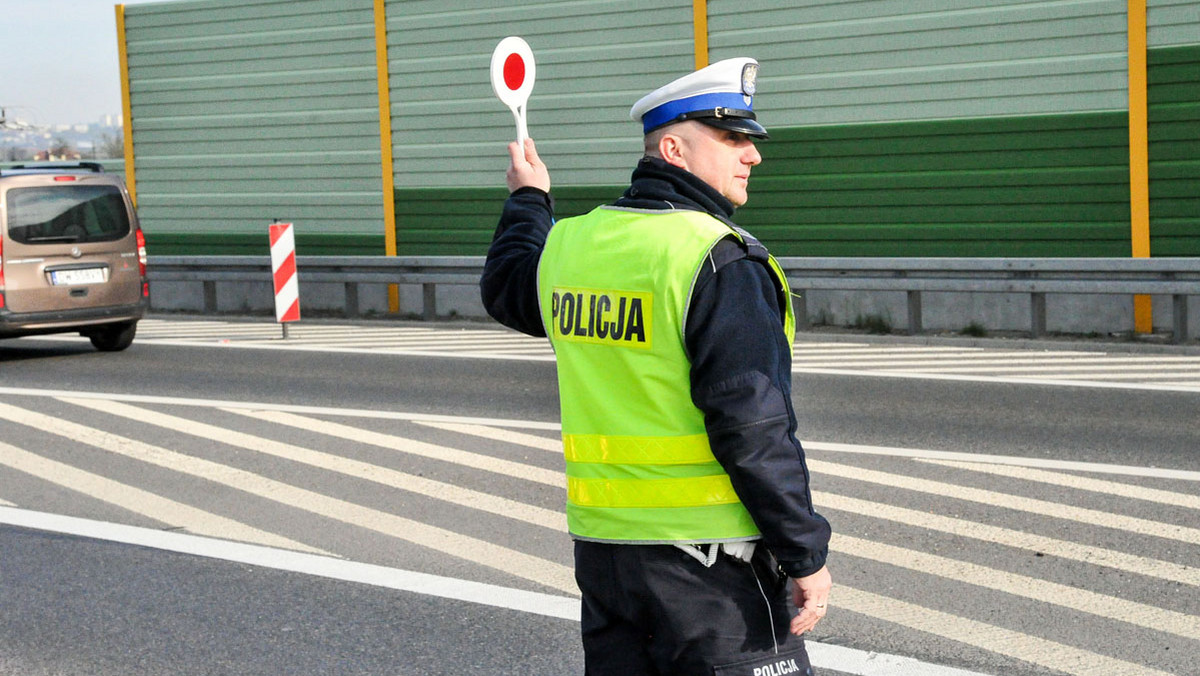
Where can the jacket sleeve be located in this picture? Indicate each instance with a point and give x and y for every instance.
(741, 380)
(509, 283)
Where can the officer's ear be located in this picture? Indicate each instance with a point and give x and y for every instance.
(672, 148)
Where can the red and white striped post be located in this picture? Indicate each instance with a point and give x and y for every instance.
(283, 270)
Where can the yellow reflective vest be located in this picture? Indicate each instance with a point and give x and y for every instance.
(614, 287)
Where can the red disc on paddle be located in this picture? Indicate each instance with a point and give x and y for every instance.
(514, 71)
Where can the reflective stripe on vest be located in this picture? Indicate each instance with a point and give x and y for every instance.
(614, 287)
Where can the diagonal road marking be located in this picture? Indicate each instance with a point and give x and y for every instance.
(1035, 650)
(843, 659)
(1089, 554)
(1190, 501)
(474, 550)
(1046, 379)
(1082, 600)
(564, 607)
(144, 503)
(465, 458)
(361, 470)
(1097, 556)
(1021, 461)
(499, 434)
(1041, 652)
(1015, 502)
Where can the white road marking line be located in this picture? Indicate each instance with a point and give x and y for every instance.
(481, 428)
(1093, 467)
(1063, 549)
(537, 603)
(1063, 369)
(265, 406)
(203, 328)
(498, 434)
(862, 663)
(548, 426)
(360, 470)
(868, 356)
(474, 550)
(960, 358)
(531, 350)
(300, 334)
(231, 331)
(1102, 468)
(1015, 502)
(305, 331)
(1190, 501)
(922, 362)
(846, 660)
(1172, 377)
(6, 503)
(327, 349)
(1044, 591)
(138, 501)
(547, 356)
(414, 342)
(1041, 652)
(999, 358)
(1092, 555)
(1010, 380)
(480, 461)
(801, 343)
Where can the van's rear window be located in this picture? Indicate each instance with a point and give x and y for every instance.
(66, 214)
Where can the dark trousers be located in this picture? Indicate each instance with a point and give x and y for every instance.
(653, 610)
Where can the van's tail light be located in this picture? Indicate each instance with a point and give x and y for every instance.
(141, 245)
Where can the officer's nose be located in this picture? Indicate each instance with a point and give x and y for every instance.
(751, 156)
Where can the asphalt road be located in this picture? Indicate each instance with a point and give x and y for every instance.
(82, 606)
(97, 607)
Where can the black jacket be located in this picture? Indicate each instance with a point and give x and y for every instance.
(741, 360)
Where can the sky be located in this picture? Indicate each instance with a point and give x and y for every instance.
(60, 60)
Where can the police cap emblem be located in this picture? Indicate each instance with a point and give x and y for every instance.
(749, 76)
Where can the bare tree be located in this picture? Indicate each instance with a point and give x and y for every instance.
(111, 146)
(60, 147)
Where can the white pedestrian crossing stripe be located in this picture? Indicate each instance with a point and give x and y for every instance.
(1173, 372)
(433, 341)
(360, 450)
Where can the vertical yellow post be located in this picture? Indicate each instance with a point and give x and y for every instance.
(1139, 155)
(385, 144)
(700, 32)
(126, 113)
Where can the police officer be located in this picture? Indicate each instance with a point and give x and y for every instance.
(688, 494)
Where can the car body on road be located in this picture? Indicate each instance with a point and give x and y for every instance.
(72, 255)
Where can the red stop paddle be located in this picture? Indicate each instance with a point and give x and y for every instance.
(513, 73)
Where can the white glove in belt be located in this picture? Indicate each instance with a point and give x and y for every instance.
(742, 551)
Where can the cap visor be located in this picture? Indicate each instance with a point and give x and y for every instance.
(744, 125)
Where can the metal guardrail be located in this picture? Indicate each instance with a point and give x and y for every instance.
(350, 271)
(1175, 277)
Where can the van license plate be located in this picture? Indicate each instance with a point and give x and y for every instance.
(77, 276)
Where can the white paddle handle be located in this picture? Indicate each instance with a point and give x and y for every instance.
(522, 128)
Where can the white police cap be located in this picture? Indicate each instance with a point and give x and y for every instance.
(720, 95)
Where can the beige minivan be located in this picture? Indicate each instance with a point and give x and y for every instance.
(72, 256)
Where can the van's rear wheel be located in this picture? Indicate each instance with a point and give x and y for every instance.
(113, 338)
